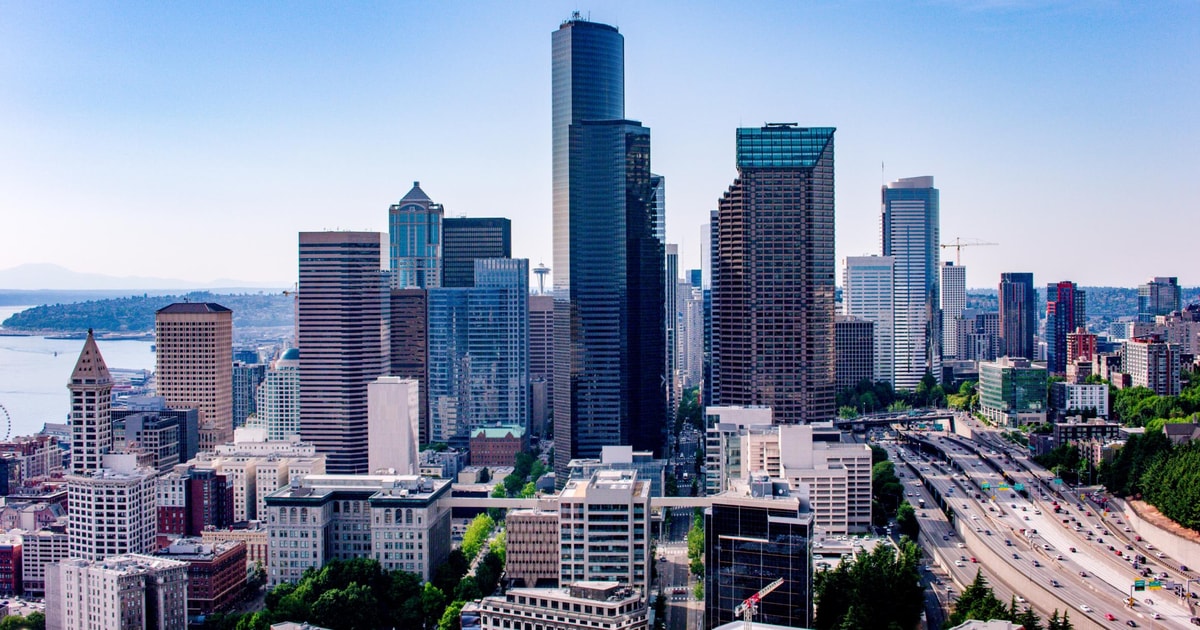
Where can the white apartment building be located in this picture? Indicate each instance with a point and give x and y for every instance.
(39, 551)
(113, 509)
(126, 592)
(400, 520)
(604, 529)
(277, 401)
(954, 301)
(258, 466)
(582, 605)
(867, 293)
(838, 476)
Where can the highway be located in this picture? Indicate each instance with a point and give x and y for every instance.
(1024, 545)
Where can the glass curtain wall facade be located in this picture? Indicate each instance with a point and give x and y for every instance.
(465, 240)
(415, 241)
(1160, 296)
(747, 548)
(910, 222)
(867, 294)
(773, 276)
(608, 260)
(479, 351)
(1018, 315)
(1066, 310)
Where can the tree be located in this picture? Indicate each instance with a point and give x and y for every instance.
(467, 589)
(529, 490)
(879, 590)
(499, 546)
(446, 576)
(433, 603)
(886, 491)
(485, 475)
(1028, 619)
(846, 412)
(906, 520)
(449, 620)
(476, 534)
(352, 607)
(978, 601)
(34, 621)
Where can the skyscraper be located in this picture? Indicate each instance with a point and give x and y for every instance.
(954, 300)
(672, 329)
(194, 342)
(91, 416)
(772, 321)
(1018, 315)
(867, 294)
(1160, 296)
(479, 351)
(608, 260)
(911, 233)
(415, 241)
(246, 379)
(465, 240)
(409, 342)
(1066, 310)
(278, 398)
(340, 314)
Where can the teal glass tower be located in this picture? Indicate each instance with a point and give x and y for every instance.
(610, 353)
(415, 241)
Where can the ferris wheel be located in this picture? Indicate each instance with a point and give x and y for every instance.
(5, 424)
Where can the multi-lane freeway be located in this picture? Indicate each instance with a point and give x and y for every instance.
(1066, 559)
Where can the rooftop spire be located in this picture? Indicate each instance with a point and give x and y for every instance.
(90, 368)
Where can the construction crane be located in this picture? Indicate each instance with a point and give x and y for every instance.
(750, 606)
(959, 243)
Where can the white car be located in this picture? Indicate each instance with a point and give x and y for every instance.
(1085, 608)
(958, 563)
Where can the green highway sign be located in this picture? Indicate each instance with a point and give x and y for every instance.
(1018, 487)
(1139, 585)
(985, 485)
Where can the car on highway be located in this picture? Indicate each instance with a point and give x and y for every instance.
(1072, 549)
(1131, 623)
(1085, 608)
(1036, 563)
(1083, 574)
(1110, 617)
(1058, 557)
(958, 563)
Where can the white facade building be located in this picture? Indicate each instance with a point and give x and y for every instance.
(393, 413)
(278, 398)
(867, 294)
(604, 527)
(113, 509)
(954, 301)
(581, 606)
(257, 466)
(126, 592)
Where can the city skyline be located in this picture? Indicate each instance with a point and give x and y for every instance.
(268, 121)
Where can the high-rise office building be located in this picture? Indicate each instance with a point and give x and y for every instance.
(691, 336)
(1066, 310)
(773, 286)
(479, 351)
(409, 342)
(415, 241)
(340, 315)
(246, 379)
(608, 259)
(867, 295)
(113, 509)
(541, 362)
(194, 342)
(954, 300)
(91, 415)
(278, 398)
(855, 351)
(1160, 296)
(671, 327)
(465, 240)
(911, 232)
(392, 425)
(1153, 363)
(1018, 315)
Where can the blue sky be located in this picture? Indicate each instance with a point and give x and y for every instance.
(194, 140)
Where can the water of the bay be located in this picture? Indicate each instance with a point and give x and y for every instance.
(34, 372)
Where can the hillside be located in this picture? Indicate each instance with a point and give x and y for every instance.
(136, 313)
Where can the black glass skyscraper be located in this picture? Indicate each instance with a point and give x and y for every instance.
(1018, 315)
(608, 263)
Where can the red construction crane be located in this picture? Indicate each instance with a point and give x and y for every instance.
(750, 606)
(959, 243)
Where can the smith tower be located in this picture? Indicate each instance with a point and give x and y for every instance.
(608, 263)
(772, 311)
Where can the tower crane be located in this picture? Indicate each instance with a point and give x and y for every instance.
(749, 606)
(959, 243)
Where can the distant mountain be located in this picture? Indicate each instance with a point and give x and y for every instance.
(43, 276)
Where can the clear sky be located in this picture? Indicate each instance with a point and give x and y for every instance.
(194, 140)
